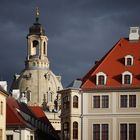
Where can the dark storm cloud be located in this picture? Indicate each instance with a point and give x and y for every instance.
(79, 32)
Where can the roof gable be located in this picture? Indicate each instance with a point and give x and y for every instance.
(113, 65)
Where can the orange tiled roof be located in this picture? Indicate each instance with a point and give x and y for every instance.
(112, 64)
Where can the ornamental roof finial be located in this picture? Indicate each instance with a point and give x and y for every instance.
(37, 14)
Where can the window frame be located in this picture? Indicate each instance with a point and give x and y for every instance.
(96, 101)
(124, 74)
(99, 133)
(105, 101)
(131, 101)
(9, 137)
(75, 101)
(123, 101)
(75, 130)
(101, 82)
(127, 57)
(66, 102)
(66, 131)
(127, 133)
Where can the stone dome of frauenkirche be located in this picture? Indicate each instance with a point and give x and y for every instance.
(37, 81)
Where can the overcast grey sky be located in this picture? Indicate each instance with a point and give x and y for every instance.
(79, 32)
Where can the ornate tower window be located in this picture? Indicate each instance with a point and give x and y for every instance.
(129, 60)
(126, 78)
(75, 130)
(75, 101)
(35, 48)
(44, 48)
(101, 78)
(66, 102)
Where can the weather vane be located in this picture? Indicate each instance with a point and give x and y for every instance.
(37, 14)
(37, 11)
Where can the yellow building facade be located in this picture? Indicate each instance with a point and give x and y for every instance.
(3, 96)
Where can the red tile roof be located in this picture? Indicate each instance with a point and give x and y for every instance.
(39, 113)
(12, 115)
(112, 64)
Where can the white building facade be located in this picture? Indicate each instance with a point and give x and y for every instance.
(106, 105)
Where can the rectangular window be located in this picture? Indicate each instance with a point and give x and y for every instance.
(66, 131)
(132, 100)
(105, 101)
(31, 137)
(132, 131)
(1, 134)
(100, 132)
(127, 131)
(123, 101)
(123, 132)
(9, 137)
(1, 107)
(104, 131)
(66, 103)
(96, 131)
(96, 101)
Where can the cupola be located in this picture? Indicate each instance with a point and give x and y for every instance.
(36, 28)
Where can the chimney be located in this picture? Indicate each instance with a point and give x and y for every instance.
(16, 93)
(23, 99)
(3, 84)
(134, 34)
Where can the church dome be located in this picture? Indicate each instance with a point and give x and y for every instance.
(36, 29)
(38, 85)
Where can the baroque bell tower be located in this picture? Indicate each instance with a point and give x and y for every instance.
(37, 46)
(36, 80)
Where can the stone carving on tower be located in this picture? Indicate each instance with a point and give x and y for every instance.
(38, 83)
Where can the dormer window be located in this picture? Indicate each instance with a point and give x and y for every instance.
(128, 60)
(126, 78)
(101, 78)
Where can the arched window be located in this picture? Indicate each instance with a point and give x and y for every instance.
(35, 47)
(126, 78)
(75, 101)
(44, 48)
(101, 78)
(129, 60)
(66, 131)
(75, 130)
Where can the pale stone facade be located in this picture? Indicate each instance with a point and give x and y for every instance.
(37, 81)
(3, 96)
(20, 134)
(106, 105)
(86, 115)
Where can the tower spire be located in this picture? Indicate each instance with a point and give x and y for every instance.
(37, 14)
